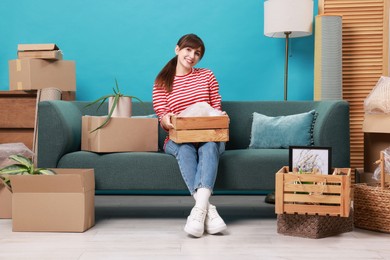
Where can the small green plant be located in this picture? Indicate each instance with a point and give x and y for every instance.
(116, 95)
(24, 166)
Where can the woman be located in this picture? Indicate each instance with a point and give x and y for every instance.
(177, 86)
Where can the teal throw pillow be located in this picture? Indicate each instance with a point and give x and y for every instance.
(282, 131)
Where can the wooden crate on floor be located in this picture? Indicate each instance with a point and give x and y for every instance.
(313, 194)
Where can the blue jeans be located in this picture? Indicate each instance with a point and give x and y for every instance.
(198, 163)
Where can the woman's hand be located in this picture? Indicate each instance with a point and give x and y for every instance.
(166, 121)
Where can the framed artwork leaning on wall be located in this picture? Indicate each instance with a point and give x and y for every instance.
(310, 159)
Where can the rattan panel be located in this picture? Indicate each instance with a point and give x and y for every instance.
(365, 47)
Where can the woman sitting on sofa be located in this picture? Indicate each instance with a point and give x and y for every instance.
(177, 86)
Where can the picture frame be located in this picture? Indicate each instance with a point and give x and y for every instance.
(310, 159)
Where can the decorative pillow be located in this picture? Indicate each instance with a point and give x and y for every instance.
(282, 131)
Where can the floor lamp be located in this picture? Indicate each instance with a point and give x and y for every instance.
(288, 19)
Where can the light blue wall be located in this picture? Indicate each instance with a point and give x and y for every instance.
(132, 39)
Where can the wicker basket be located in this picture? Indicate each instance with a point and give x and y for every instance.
(372, 204)
(313, 226)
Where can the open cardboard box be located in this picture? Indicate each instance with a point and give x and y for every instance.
(199, 129)
(48, 51)
(376, 128)
(5, 201)
(54, 203)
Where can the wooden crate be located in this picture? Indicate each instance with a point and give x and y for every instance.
(313, 194)
(207, 122)
(200, 129)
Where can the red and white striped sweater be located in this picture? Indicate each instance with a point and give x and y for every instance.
(200, 85)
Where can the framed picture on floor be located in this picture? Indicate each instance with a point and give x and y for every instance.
(310, 159)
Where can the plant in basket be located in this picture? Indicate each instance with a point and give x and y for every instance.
(119, 105)
(23, 166)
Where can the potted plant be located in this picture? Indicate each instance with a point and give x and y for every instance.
(119, 105)
(24, 166)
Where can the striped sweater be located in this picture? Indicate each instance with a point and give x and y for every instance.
(200, 85)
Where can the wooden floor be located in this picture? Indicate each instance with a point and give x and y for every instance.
(151, 227)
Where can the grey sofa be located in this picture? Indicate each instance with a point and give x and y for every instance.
(241, 170)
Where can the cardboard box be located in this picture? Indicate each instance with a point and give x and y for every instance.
(48, 55)
(54, 203)
(200, 129)
(32, 74)
(374, 143)
(121, 134)
(376, 123)
(376, 128)
(5, 201)
(38, 47)
(39, 51)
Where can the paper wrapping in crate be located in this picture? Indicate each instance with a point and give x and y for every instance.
(313, 194)
(200, 129)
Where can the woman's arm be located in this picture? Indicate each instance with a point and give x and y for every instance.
(215, 97)
(160, 107)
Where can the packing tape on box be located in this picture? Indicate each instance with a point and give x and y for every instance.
(18, 65)
(89, 127)
(19, 85)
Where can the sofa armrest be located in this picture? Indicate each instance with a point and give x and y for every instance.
(59, 131)
(332, 129)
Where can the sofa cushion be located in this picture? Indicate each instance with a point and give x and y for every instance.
(282, 131)
(129, 170)
(250, 169)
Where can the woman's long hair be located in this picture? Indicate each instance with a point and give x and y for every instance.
(166, 76)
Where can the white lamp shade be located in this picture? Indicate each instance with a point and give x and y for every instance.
(295, 16)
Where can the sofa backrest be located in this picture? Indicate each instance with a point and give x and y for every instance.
(241, 115)
(60, 125)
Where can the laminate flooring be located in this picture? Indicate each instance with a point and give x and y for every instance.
(151, 227)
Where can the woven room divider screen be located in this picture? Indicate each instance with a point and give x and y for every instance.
(365, 48)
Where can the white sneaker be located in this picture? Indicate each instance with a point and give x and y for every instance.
(195, 222)
(214, 223)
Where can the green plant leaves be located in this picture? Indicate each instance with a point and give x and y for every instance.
(14, 169)
(117, 94)
(21, 159)
(43, 171)
(101, 100)
(24, 166)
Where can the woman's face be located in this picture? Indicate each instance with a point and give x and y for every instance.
(187, 58)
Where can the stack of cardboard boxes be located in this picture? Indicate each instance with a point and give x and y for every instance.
(41, 66)
(56, 203)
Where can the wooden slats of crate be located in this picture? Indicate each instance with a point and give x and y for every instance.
(200, 129)
(313, 194)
